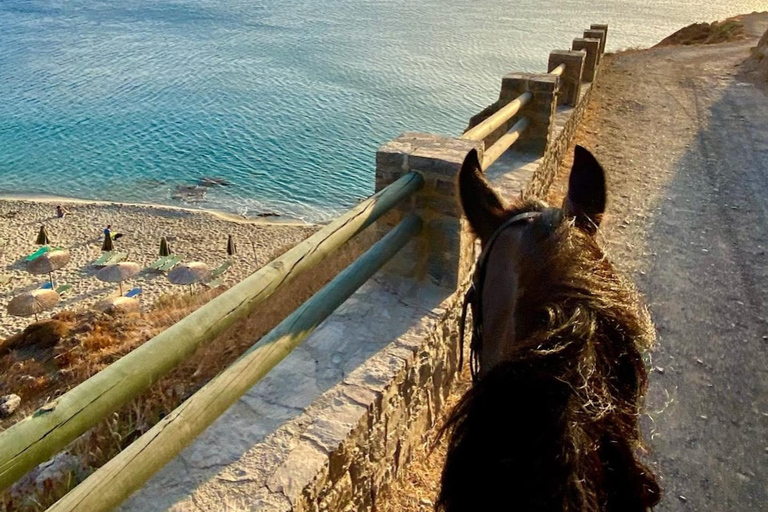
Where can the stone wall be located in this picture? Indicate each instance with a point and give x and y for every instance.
(334, 423)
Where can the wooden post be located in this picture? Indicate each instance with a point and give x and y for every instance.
(592, 49)
(38, 437)
(569, 87)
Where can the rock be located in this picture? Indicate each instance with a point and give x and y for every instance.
(208, 181)
(9, 404)
(189, 193)
(268, 214)
(57, 469)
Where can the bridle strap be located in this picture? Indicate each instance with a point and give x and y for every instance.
(473, 298)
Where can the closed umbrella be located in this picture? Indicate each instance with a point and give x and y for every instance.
(118, 272)
(165, 248)
(231, 248)
(48, 263)
(107, 246)
(189, 273)
(42, 237)
(33, 302)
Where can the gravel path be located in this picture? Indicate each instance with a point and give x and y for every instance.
(684, 134)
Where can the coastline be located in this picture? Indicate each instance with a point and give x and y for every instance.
(218, 214)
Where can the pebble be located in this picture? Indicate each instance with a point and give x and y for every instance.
(682, 498)
(9, 404)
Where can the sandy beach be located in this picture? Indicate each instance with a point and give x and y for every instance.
(193, 235)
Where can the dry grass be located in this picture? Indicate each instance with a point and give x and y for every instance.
(95, 340)
(416, 489)
(706, 33)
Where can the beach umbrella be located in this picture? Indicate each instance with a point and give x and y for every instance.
(118, 272)
(189, 273)
(33, 302)
(118, 305)
(165, 248)
(48, 263)
(231, 248)
(107, 245)
(42, 237)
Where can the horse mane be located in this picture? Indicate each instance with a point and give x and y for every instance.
(555, 427)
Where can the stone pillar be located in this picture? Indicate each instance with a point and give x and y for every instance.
(592, 48)
(569, 87)
(541, 110)
(597, 34)
(604, 28)
(444, 252)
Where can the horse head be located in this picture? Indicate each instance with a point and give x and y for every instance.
(551, 423)
(517, 266)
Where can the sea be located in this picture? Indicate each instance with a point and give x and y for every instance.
(277, 105)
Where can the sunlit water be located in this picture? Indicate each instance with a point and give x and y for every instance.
(286, 100)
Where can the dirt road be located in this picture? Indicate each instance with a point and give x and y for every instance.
(683, 132)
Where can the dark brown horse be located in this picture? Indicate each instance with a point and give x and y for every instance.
(551, 423)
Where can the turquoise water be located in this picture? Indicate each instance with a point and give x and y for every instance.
(286, 100)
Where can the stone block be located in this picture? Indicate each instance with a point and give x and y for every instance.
(570, 81)
(592, 48)
(600, 35)
(540, 110)
(604, 28)
(439, 160)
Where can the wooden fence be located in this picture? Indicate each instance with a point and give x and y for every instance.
(523, 115)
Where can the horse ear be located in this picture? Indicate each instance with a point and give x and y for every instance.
(586, 197)
(481, 205)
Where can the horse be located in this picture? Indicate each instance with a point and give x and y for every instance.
(551, 422)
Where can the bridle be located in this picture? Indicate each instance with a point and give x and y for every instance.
(473, 297)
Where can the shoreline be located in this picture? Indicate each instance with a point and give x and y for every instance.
(217, 214)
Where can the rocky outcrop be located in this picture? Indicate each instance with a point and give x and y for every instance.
(9, 404)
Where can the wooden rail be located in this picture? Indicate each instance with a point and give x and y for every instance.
(493, 153)
(38, 437)
(558, 71)
(497, 120)
(131, 468)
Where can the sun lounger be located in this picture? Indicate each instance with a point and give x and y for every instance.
(117, 257)
(102, 260)
(46, 286)
(61, 290)
(170, 263)
(162, 260)
(133, 293)
(220, 269)
(44, 249)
